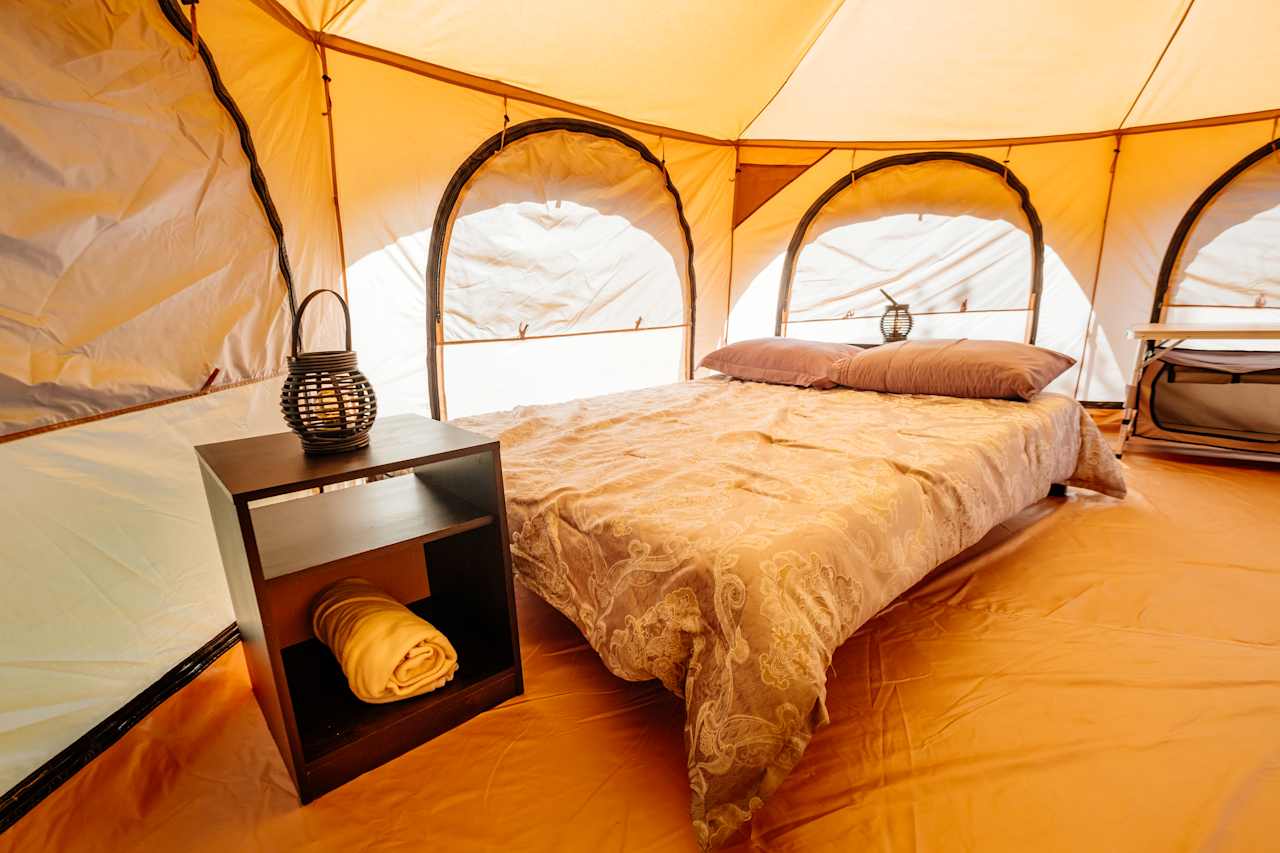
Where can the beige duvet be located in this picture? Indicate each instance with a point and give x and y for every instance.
(725, 537)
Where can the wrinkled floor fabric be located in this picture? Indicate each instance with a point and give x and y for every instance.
(1094, 675)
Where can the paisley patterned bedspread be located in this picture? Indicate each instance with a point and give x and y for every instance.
(726, 537)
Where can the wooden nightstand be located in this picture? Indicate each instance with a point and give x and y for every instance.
(436, 540)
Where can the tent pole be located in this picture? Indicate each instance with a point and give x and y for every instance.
(1097, 267)
(333, 169)
(728, 297)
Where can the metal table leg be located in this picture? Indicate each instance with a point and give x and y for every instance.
(1148, 352)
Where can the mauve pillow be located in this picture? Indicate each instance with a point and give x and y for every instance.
(960, 368)
(782, 361)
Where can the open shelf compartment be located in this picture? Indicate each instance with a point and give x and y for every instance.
(311, 532)
(330, 717)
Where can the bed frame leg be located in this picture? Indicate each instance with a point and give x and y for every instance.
(1058, 490)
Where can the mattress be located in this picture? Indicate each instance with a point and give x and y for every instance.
(726, 537)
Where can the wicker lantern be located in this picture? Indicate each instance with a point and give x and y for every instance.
(895, 323)
(326, 400)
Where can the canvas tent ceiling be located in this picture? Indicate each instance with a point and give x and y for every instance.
(652, 63)
(854, 70)
(108, 516)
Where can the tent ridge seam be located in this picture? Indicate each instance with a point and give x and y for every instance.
(1159, 59)
(139, 407)
(1000, 142)
(1097, 266)
(800, 61)
(490, 86)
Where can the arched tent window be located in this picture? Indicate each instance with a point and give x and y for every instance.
(953, 235)
(560, 267)
(1223, 263)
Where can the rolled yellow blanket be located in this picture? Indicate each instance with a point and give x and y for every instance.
(386, 651)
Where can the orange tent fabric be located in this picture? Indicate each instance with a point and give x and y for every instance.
(1095, 675)
(135, 278)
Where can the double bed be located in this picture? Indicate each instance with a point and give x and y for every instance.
(725, 537)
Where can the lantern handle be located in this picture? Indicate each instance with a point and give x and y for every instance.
(892, 301)
(297, 318)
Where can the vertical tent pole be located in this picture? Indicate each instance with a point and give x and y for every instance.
(728, 297)
(1097, 266)
(333, 169)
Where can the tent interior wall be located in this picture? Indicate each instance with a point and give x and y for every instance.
(110, 513)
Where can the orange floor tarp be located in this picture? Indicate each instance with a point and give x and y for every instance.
(1098, 676)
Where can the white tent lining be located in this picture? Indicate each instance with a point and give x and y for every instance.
(182, 26)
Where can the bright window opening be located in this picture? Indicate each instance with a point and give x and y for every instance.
(1228, 271)
(946, 238)
(565, 275)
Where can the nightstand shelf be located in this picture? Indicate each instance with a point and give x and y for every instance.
(332, 720)
(314, 531)
(435, 539)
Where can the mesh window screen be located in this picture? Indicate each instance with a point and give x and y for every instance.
(1228, 271)
(949, 239)
(565, 276)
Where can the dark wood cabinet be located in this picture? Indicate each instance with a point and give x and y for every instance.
(436, 539)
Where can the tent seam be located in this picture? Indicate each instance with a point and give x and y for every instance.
(205, 391)
(324, 27)
(1159, 59)
(1097, 267)
(478, 83)
(803, 55)
(333, 169)
(257, 178)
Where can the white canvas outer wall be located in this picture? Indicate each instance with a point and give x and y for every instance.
(110, 565)
(1159, 176)
(107, 551)
(563, 232)
(131, 275)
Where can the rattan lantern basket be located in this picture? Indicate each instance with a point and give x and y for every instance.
(895, 323)
(326, 400)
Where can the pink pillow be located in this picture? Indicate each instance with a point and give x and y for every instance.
(782, 361)
(960, 368)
